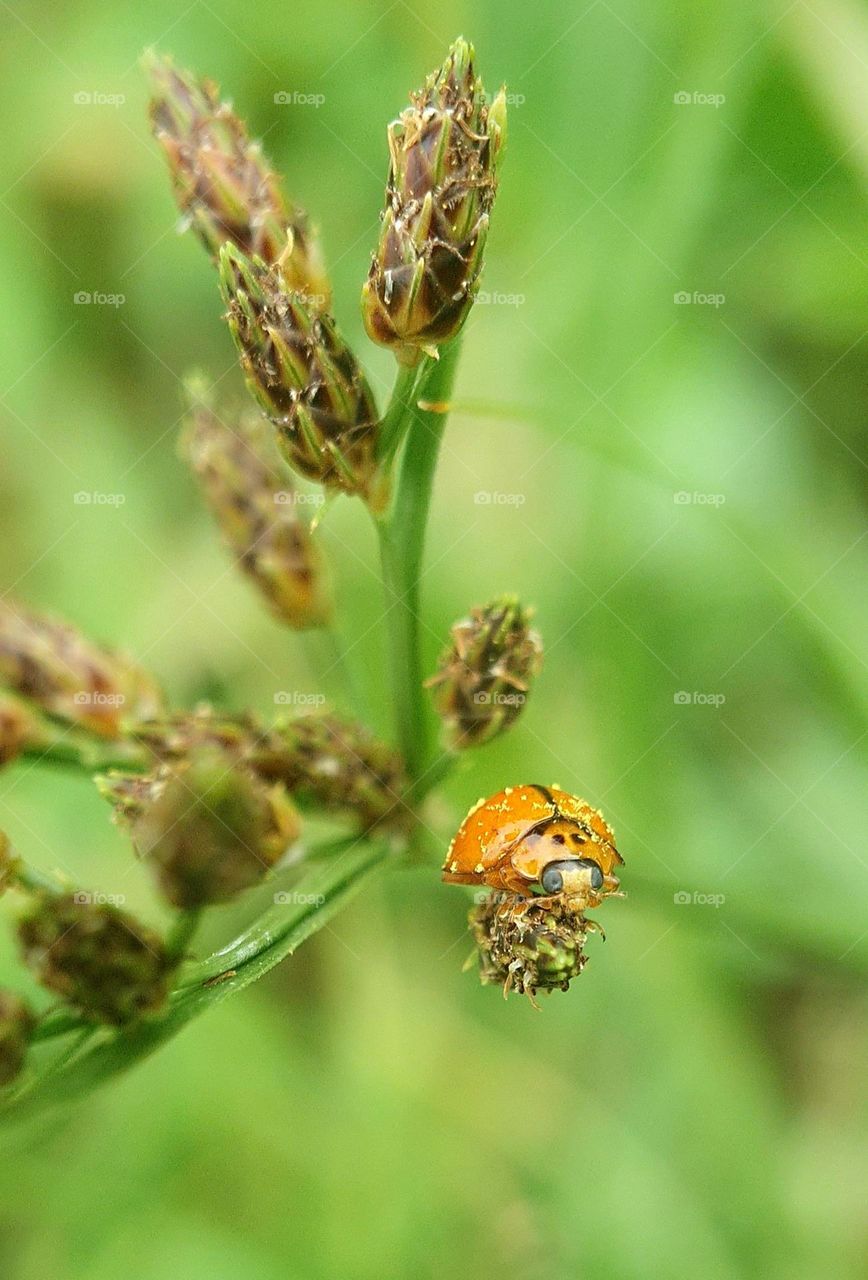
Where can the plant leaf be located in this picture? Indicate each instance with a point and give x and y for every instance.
(98, 1054)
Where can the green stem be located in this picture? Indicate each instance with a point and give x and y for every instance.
(277, 934)
(350, 862)
(402, 544)
(34, 881)
(90, 755)
(399, 413)
(180, 935)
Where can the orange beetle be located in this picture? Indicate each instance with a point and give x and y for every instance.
(535, 841)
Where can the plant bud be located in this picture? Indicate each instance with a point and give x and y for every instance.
(222, 183)
(50, 664)
(16, 1026)
(95, 957)
(303, 376)
(337, 764)
(256, 506)
(442, 181)
(214, 829)
(483, 678)
(530, 949)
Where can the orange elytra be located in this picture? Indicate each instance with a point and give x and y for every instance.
(535, 841)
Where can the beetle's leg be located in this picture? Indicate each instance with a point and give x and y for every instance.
(593, 927)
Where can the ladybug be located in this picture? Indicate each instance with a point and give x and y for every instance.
(536, 842)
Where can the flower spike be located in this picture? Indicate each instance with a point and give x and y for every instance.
(222, 182)
(303, 375)
(442, 181)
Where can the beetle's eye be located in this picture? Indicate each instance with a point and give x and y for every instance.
(595, 870)
(552, 880)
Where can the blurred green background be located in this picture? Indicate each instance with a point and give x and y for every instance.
(682, 496)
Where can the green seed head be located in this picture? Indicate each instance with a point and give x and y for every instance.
(214, 829)
(303, 376)
(526, 947)
(337, 765)
(483, 679)
(442, 181)
(51, 665)
(252, 497)
(222, 182)
(96, 957)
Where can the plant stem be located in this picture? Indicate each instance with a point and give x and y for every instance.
(34, 881)
(349, 860)
(180, 935)
(402, 544)
(277, 934)
(398, 415)
(71, 750)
